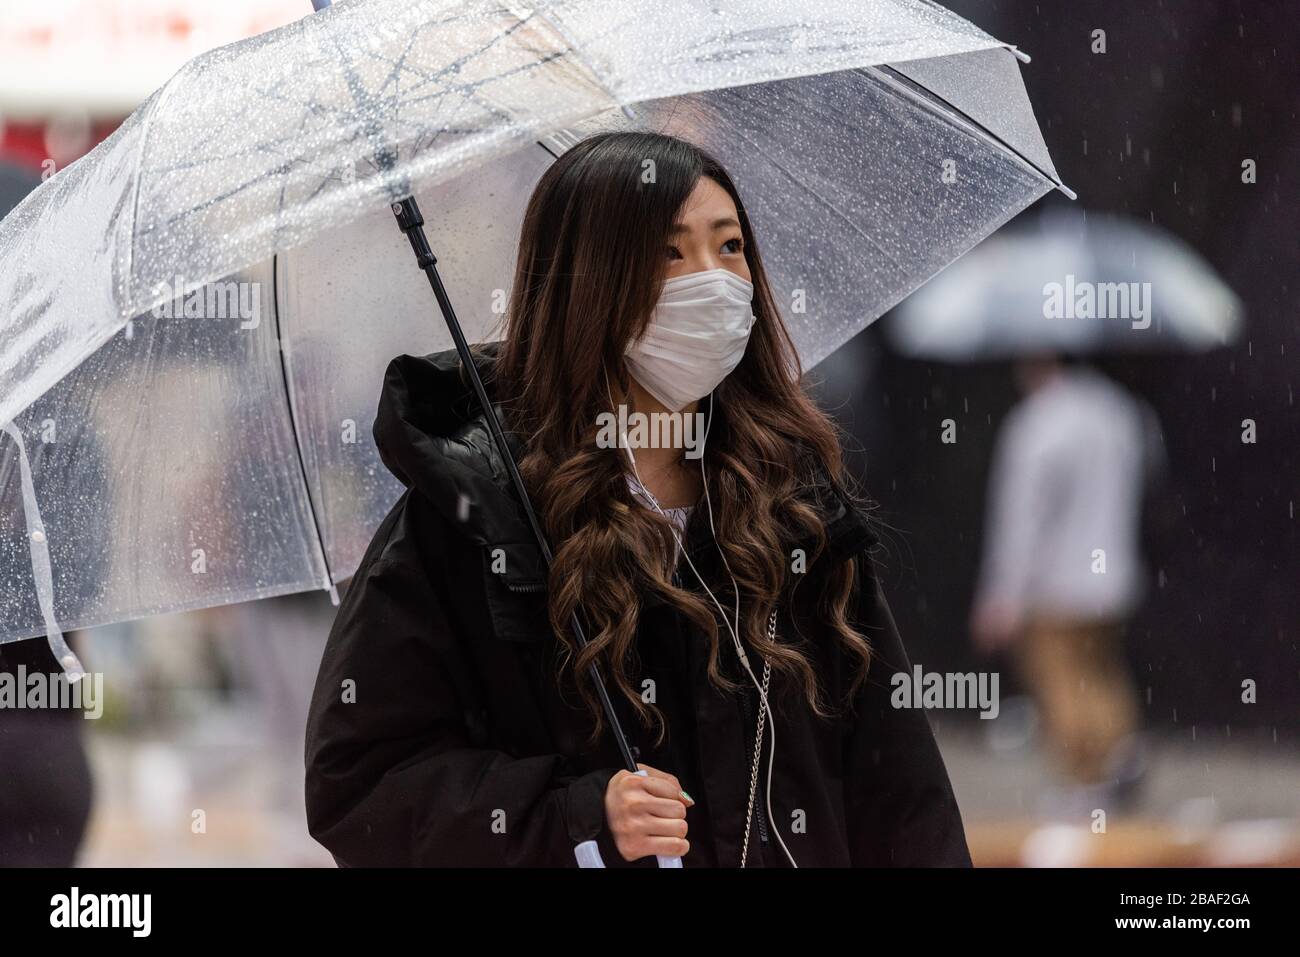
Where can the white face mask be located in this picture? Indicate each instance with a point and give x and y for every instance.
(696, 337)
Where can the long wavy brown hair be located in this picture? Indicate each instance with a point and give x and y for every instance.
(592, 258)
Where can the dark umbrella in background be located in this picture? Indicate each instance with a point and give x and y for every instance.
(1074, 283)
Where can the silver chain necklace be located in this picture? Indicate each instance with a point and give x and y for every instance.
(762, 704)
(758, 740)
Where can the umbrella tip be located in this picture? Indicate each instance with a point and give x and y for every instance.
(1067, 191)
(1019, 54)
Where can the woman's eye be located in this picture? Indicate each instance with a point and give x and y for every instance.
(736, 245)
(673, 253)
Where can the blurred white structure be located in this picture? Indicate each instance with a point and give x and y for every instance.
(102, 58)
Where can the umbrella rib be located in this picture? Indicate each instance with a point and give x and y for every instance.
(293, 426)
(220, 198)
(400, 63)
(917, 91)
(804, 185)
(439, 75)
(365, 101)
(254, 148)
(282, 169)
(470, 93)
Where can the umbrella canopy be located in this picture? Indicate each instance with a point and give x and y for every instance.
(198, 313)
(1070, 283)
(16, 183)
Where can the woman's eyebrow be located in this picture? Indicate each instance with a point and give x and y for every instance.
(715, 225)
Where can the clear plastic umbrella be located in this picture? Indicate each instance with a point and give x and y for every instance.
(1070, 283)
(220, 451)
(197, 312)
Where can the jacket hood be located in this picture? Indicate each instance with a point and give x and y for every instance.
(433, 436)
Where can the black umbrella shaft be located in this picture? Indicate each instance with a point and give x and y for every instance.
(411, 223)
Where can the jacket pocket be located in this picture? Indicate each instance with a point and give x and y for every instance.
(515, 585)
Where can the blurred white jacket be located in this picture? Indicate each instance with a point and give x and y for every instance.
(1069, 472)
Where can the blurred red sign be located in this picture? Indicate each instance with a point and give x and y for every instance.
(102, 58)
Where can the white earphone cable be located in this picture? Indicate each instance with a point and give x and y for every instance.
(733, 630)
(771, 716)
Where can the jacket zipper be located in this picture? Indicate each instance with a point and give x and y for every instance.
(760, 818)
(526, 586)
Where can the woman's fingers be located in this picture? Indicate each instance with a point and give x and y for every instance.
(647, 814)
(661, 789)
(657, 807)
(669, 779)
(653, 826)
(644, 846)
(667, 847)
(656, 773)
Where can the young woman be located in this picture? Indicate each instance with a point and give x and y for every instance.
(729, 597)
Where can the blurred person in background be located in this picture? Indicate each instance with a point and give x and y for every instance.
(1062, 571)
(47, 787)
(274, 646)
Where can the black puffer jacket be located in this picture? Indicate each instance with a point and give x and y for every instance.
(439, 735)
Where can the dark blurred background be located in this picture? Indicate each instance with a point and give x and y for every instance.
(1155, 128)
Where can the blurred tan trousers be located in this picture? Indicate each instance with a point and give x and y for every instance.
(1088, 702)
